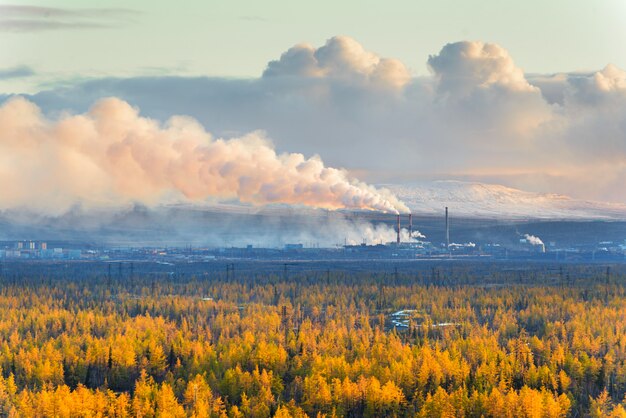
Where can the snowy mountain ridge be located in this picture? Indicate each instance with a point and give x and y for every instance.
(474, 199)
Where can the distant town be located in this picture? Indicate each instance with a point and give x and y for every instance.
(416, 250)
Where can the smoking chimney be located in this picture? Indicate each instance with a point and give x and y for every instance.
(398, 231)
(410, 226)
(447, 231)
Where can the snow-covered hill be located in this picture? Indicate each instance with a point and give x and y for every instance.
(496, 201)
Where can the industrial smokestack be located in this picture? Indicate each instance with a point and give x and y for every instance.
(447, 231)
(410, 226)
(398, 230)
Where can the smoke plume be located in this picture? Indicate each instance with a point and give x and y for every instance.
(533, 240)
(221, 225)
(111, 156)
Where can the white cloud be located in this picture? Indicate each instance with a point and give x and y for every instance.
(610, 79)
(482, 88)
(463, 67)
(607, 86)
(340, 58)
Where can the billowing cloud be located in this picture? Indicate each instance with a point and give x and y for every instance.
(340, 58)
(463, 67)
(610, 79)
(478, 116)
(112, 156)
(601, 87)
(482, 87)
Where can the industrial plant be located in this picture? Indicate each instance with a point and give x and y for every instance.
(471, 240)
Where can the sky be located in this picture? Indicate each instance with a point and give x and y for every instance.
(530, 95)
(237, 38)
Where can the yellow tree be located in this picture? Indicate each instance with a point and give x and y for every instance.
(167, 405)
(143, 403)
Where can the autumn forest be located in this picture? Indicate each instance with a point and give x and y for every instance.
(319, 344)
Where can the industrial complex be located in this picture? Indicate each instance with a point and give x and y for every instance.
(497, 242)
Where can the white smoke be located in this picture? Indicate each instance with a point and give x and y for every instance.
(413, 237)
(466, 245)
(222, 225)
(533, 240)
(369, 233)
(111, 157)
(372, 234)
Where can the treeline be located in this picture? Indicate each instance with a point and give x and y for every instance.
(310, 345)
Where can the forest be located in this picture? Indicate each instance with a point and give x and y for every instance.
(510, 343)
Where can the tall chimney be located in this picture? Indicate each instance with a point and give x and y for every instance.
(410, 226)
(447, 230)
(398, 231)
